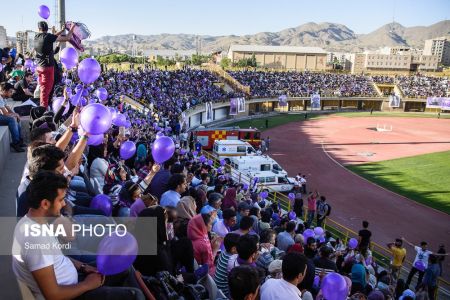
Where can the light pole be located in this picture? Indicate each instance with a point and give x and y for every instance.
(62, 16)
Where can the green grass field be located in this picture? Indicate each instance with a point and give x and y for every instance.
(423, 178)
(392, 115)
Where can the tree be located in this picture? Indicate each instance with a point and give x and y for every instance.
(225, 62)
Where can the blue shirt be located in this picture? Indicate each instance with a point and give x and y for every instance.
(170, 198)
(284, 240)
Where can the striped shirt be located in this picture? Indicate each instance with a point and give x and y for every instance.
(221, 275)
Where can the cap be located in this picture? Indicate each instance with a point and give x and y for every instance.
(407, 293)
(275, 266)
(207, 209)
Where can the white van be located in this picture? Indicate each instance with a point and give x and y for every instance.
(256, 163)
(267, 180)
(228, 148)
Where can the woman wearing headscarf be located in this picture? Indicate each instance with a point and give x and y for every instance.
(149, 265)
(98, 166)
(141, 155)
(186, 210)
(229, 200)
(204, 249)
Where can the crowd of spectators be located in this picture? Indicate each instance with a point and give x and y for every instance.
(303, 84)
(209, 225)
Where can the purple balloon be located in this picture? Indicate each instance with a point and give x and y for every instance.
(28, 63)
(223, 162)
(292, 215)
(308, 233)
(334, 287)
(163, 149)
(101, 94)
(316, 281)
(103, 203)
(127, 150)
(44, 12)
(95, 140)
(419, 265)
(159, 135)
(95, 118)
(322, 239)
(245, 187)
(291, 196)
(202, 159)
(195, 153)
(116, 253)
(127, 124)
(69, 57)
(210, 162)
(75, 100)
(57, 103)
(318, 230)
(183, 151)
(119, 120)
(352, 243)
(264, 194)
(88, 70)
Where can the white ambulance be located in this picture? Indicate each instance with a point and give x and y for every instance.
(230, 148)
(267, 181)
(256, 163)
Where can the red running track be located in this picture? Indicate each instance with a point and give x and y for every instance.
(300, 147)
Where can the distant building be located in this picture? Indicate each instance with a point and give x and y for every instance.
(341, 58)
(395, 59)
(281, 57)
(169, 54)
(3, 37)
(439, 47)
(25, 41)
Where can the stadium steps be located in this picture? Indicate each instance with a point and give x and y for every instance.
(227, 78)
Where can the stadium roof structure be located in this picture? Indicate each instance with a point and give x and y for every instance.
(276, 49)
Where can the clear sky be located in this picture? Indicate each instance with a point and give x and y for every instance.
(236, 17)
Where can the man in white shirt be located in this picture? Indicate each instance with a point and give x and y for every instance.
(177, 185)
(420, 263)
(39, 262)
(294, 270)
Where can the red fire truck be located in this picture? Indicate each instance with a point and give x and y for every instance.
(207, 136)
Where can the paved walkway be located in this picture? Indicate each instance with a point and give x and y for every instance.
(9, 181)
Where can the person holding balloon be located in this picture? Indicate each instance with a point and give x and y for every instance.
(57, 276)
(43, 45)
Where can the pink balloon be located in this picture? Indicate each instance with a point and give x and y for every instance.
(95, 118)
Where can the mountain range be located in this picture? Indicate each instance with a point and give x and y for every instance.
(330, 36)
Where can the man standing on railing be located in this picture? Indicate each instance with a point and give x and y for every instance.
(398, 257)
(420, 262)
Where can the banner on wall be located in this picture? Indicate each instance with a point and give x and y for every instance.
(315, 101)
(282, 100)
(233, 106)
(394, 101)
(241, 104)
(434, 102)
(445, 104)
(209, 111)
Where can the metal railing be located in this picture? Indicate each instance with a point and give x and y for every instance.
(381, 254)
